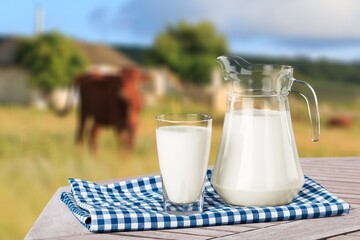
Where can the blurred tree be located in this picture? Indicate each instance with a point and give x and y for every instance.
(189, 50)
(321, 71)
(52, 59)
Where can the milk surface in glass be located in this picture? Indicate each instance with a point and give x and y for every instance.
(260, 163)
(183, 157)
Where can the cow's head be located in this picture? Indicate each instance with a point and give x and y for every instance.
(133, 74)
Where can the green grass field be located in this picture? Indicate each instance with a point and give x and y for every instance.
(38, 154)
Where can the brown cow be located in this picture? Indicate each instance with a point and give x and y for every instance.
(130, 91)
(341, 121)
(109, 100)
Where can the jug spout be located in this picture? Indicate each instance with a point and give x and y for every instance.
(233, 66)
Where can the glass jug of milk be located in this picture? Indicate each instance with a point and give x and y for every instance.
(257, 162)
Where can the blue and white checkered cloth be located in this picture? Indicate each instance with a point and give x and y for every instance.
(137, 205)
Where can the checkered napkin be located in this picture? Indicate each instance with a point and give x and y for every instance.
(137, 205)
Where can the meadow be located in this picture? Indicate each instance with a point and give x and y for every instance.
(38, 153)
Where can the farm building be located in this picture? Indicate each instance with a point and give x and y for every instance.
(14, 80)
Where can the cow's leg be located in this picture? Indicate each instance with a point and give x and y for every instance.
(131, 139)
(121, 135)
(81, 127)
(133, 125)
(93, 136)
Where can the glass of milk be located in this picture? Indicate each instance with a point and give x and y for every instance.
(183, 145)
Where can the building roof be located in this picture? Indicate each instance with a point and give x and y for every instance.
(98, 54)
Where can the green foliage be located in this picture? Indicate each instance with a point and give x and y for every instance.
(138, 54)
(52, 59)
(189, 50)
(320, 71)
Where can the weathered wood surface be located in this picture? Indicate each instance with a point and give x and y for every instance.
(341, 176)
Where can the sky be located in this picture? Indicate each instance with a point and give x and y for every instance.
(307, 28)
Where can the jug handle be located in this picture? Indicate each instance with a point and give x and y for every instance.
(313, 107)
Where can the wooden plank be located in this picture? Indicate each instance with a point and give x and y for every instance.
(233, 228)
(338, 179)
(357, 233)
(354, 171)
(343, 194)
(329, 159)
(340, 186)
(162, 235)
(355, 206)
(329, 164)
(333, 183)
(200, 232)
(351, 201)
(345, 237)
(98, 236)
(337, 169)
(334, 164)
(264, 224)
(333, 175)
(306, 229)
(337, 190)
(350, 196)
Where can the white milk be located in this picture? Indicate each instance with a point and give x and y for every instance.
(257, 161)
(183, 156)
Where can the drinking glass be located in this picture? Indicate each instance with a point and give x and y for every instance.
(183, 146)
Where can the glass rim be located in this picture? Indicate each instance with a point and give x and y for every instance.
(162, 118)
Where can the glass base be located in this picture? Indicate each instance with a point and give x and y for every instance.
(184, 209)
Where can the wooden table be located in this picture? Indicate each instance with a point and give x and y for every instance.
(341, 176)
